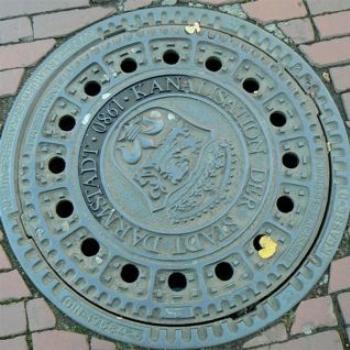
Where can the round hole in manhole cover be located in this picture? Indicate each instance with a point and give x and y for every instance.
(174, 178)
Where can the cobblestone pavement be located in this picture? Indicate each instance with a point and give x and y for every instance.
(319, 29)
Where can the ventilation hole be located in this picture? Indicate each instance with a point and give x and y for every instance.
(171, 57)
(251, 85)
(213, 64)
(224, 271)
(256, 243)
(64, 208)
(90, 247)
(57, 165)
(177, 281)
(278, 119)
(285, 204)
(128, 65)
(66, 123)
(92, 88)
(290, 160)
(130, 273)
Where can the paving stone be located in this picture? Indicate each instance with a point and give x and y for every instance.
(312, 314)
(24, 55)
(339, 275)
(328, 53)
(40, 316)
(274, 10)
(322, 6)
(344, 303)
(346, 104)
(14, 30)
(59, 340)
(12, 286)
(62, 23)
(299, 30)
(9, 84)
(11, 8)
(333, 25)
(329, 340)
(4, 260)
(274, 334)
(218, 2)
(135, 4)
(341, 78)
(18, 343)
(98, 344)
(12, 319)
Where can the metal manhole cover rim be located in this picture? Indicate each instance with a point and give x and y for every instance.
(8, 203)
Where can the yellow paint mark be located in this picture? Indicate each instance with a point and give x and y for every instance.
(268, 247)
(193, 28)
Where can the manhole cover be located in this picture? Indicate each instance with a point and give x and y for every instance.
(174, 178)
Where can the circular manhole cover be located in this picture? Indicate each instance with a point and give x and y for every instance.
(174, 178)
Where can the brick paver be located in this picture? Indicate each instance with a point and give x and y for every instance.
(339, 275)
(5, 263)
(340, 78)
(299, 30)
(59, 340)
(11, 8)
(18, 343)
(9, 84)
(135, 4)
(24, 55)
(329, 340)
(12, 319)
(333, 25)
(329, 52)
(98, 344)
(274, 334)
(62, 23)
(346, 103)
(12, 286)
(344, 304)
(322, 6)
(312, 314)
(218, 2)
(40, 316)
(14, 30)
(274, 10)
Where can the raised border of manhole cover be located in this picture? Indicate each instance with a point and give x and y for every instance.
(210, 333)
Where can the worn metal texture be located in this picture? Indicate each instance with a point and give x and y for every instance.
(174, 178)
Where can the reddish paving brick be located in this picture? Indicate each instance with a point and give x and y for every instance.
(135, 4)
(218, 2)
(12, 319)
(339, 275)
(11, 8)
(274, 10)
(333, 25)
(329, 340)
(321, 6)
(299, 30)
(40, 316)
(12, 286)
(18, 343)
(312, 314)
(62, 23)
(9, 84)
(346, 104)
(328, 53)
(59, 340)
(98, 344)
(275, 334)
(344, 303)
(341, 78)
(4, 260)
(14, 30)
(24, 55)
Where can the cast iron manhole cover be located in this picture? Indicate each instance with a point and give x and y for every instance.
(174, 178)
